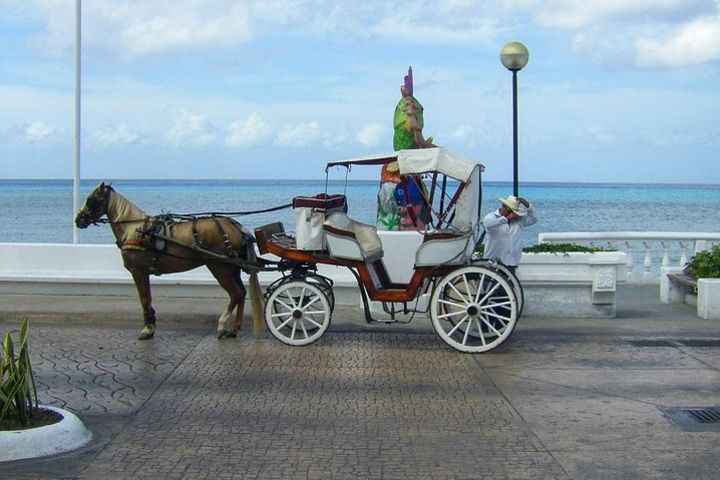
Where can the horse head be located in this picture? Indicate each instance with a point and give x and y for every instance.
(95, 206)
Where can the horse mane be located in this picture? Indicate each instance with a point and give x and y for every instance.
(124, 209)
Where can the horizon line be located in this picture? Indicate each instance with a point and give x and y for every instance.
(509, 182)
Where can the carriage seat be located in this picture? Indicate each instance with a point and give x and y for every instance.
(353, 240)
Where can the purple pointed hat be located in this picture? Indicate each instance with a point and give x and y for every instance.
(409, 82)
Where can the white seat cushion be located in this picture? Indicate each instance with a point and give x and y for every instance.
(347, 238)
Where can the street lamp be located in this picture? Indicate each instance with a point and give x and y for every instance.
(514, 56)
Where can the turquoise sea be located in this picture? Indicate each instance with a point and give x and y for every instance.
(41, 210)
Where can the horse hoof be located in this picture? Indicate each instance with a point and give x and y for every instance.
(226, 334)
(146, 336)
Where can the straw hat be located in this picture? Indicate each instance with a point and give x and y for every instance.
(513, 204)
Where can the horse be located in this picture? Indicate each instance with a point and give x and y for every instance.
(170, 244)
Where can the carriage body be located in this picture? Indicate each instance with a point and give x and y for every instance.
(474, 303)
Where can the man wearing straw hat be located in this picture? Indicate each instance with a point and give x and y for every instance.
(504, 227)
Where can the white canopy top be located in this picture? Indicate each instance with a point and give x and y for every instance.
(421, 160)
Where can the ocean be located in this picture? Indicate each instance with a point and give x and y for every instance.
(41, 210)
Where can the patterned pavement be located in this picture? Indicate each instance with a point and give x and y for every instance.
(560, 400)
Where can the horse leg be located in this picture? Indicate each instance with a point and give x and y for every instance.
(230, 281)
(142, 284)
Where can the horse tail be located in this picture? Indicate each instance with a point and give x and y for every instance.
(256, 302)
(254, 290)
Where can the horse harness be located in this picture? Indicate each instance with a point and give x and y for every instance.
(156, 232)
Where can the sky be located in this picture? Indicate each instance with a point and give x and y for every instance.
(615, 90)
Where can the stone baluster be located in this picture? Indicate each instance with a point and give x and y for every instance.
(647, 263)
(700, 245)
(683, 254)
(665, 258)
(630, 262)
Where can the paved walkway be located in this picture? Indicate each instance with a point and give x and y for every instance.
(563, 398)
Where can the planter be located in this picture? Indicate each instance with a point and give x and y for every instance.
(63, 436)
(572, 284)
(708, 298)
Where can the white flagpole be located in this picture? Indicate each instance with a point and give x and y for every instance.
(76, 173)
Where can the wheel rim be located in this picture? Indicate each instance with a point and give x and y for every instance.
(474, 309)
(297, 313)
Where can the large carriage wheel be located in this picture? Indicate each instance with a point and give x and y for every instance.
(474, 309)
(511, 277)
(297, 312)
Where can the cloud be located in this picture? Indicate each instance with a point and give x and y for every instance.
(300, 136)
(252, 132)
(372, 135)
(577, 14)
(466, 135)
(664, 33)
(689, 44)
(116, 135)
(38, 130)
(191, 129)
(34, 132)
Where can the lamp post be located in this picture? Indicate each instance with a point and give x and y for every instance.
(514, 56)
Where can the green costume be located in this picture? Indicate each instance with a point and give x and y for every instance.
(404, 137)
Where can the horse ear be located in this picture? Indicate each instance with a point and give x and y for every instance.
(101, 186)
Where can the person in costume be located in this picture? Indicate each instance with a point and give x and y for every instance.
(408, 123)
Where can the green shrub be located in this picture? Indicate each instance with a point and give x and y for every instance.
(705, 264)
(552, 248)
(18, 395)
(563, 248)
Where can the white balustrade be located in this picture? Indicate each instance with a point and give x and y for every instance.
(655, 248)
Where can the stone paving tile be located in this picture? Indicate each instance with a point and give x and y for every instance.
(103, 369)
(352, 406)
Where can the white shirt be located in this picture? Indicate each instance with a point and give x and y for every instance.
(503, 240)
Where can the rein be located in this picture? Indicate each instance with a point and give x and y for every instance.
(193, 216)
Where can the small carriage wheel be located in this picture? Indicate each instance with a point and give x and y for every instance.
(285, 296)
(325, 286)
(297, 312)
(474, 309)
(511, 277)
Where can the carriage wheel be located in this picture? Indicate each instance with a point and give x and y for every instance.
(297, 312)
(325, 286)
(474, 309)
(512, 278)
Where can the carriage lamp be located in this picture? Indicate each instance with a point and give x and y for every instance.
(514, 56)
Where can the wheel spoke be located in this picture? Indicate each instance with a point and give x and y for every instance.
(467, 332)
(467, 287)
(490, 326)
(481, 281)
(302, 325)
(285, 304)
(482, 337)
(284, 323)
(447, 302)
(281, 314)
(493, 305)
(499, 317)
(451, 314)
(311, 302)
(462, 297)
(292, 334)
(315, 312)
(487, 295)
(457, 326)
(313, 322)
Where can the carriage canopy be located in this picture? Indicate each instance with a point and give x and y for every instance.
(462, 212)
(421, 160)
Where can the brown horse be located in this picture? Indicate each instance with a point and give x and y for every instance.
(161, 245)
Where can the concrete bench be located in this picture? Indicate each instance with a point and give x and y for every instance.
(678, 287)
